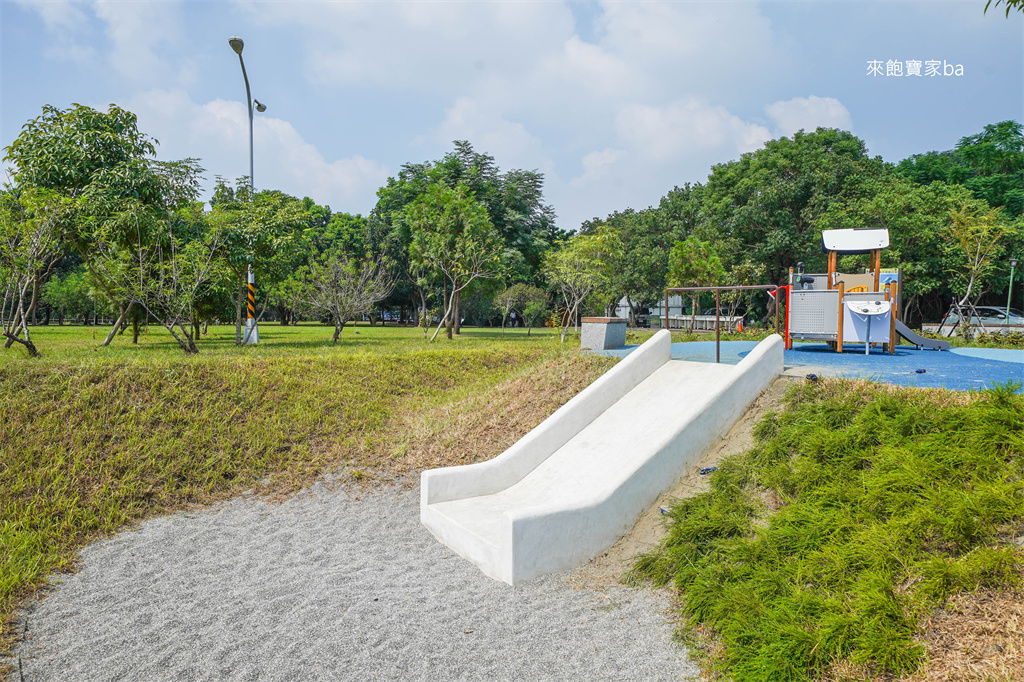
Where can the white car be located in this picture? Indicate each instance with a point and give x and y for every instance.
(988, 316)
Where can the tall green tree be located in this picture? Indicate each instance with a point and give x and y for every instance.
(513, 201)
(765, 206)
(990, 164)
(693, 263)
(640, 264)
(580, 268)
(453, 236)
(105, 165)
(269, 230)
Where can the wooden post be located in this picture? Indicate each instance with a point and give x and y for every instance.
(831, 269)
(876, 263)
(839, 336)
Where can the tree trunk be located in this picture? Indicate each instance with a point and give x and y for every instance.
(445, 319)
(185, 341)
(457, 318)
(29, 346)
(15, 321)
(135, 329)
(117, 325)
(338, 327)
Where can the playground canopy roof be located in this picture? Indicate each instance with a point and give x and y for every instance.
(856, 240)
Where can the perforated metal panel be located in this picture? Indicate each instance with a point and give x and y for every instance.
(814, 312)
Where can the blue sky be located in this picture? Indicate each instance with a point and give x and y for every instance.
(615, 102)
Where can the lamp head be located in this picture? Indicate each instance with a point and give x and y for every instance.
(260, 107)
(1013, 262)
(236, 44)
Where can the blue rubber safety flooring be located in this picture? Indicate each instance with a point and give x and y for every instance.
(959, 369)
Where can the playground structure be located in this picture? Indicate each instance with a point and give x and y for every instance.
(839, 308)
(571, 487)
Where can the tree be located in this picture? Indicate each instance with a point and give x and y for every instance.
(989, 163)
(765, 207)
(268, 230)
(452, 235)
(513, 201)
(694, 263)
(69, 295)
(978, 234)
(64, 150)
(104, 164)
(640, 264)
(29, 249)
(166, 269)
(520, 298)
(580, 268)
(342, 289)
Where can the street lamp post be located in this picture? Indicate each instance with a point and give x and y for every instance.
(1009, 293)
(252, 330)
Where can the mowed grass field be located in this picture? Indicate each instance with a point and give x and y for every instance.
(93, 439)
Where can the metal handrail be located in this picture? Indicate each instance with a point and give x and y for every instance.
(718, 307)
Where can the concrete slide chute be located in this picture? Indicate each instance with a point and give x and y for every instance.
(572, 486)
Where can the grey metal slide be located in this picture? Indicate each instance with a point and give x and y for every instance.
(918, 340)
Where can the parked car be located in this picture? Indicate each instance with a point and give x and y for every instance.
(988, 315)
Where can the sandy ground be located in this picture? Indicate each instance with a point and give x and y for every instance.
(342, 583)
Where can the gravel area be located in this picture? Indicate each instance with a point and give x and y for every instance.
(335, 584)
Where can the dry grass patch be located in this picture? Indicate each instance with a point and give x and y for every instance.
(977, 637)
(480, 422)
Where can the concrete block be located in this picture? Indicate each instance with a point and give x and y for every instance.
(603, 333)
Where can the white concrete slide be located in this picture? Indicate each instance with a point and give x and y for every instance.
(572, 486)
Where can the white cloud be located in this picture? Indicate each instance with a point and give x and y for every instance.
(695, 46)
(437, 47)
(283, 158)
(510, 143)
(136, 30)
(808, 113)
(65, 21)
(57, 14)
(597, 166)
(687, 126)
(582, 65)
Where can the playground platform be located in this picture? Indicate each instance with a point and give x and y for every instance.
(959, 369)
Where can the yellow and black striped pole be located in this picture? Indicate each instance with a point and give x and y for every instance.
(252, 330)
